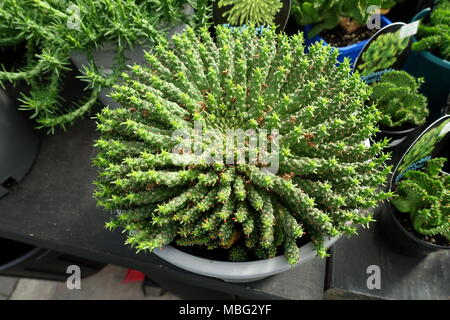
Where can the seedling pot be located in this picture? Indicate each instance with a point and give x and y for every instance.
(239, 272)
(352, 51)
(19, 145)
(401, 240)
(436, 72)
(431, 143)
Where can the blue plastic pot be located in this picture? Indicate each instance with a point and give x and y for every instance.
(436, 72)
(352, 51)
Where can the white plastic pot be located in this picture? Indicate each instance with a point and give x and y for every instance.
(236, 271)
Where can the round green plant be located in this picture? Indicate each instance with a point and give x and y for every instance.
(383, 53)
(425, 195)
(397, 97)
(434, 35)
(315, 182)
(257, 12)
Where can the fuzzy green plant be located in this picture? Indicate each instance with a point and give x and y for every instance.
(315, 119)
(325, 14)
(434, 35)
(425, 195)
(383, 53)
(397, 97)
(53, 30)
(258, 12)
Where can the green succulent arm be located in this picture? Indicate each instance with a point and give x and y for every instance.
(327, 171)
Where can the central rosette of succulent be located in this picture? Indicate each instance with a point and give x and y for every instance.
(245, 143)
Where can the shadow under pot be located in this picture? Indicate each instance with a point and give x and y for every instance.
(397, 229)
(19, 145)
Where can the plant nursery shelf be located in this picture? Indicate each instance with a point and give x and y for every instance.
(53, 208)
(401, 277)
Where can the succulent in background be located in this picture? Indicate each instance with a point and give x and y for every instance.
(434, 35)
(326, 14)
(256, 12)
(397, 97)
(383, 53)
(54, 30)
(425, 195)
(326, 173)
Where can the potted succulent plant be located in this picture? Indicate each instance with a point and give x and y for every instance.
(342, 24)
(257, 212)
(418, 217)
(254, 12)
(402, 107)
(53, 31)
(431, 56)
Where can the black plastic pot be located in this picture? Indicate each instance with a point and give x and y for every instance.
(397, 137)
(280, 19)
(26, 261)
(400, 239)
(19, 145)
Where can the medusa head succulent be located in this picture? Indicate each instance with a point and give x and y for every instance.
(425, 195)
(383, 52)
(435, 34)
(303, 105)
(397, 97)
(259, 12)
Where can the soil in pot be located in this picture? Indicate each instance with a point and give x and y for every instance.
(221, 254)
(339, 37)
(405, 221)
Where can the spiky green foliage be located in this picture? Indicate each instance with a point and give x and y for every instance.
(434, 35)
(382, 53)
(53, 30)
(325, 14)
(397, 97)
(326, 173)
(258, 12)
(425, 195)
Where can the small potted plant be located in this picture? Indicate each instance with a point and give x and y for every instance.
(342, 24)
(418, 217)
(253, 12)
(228, 209)
(54, 31)
(431, 55)
(403, 108)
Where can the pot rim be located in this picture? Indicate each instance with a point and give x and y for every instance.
(398, 131)
(236, 271)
